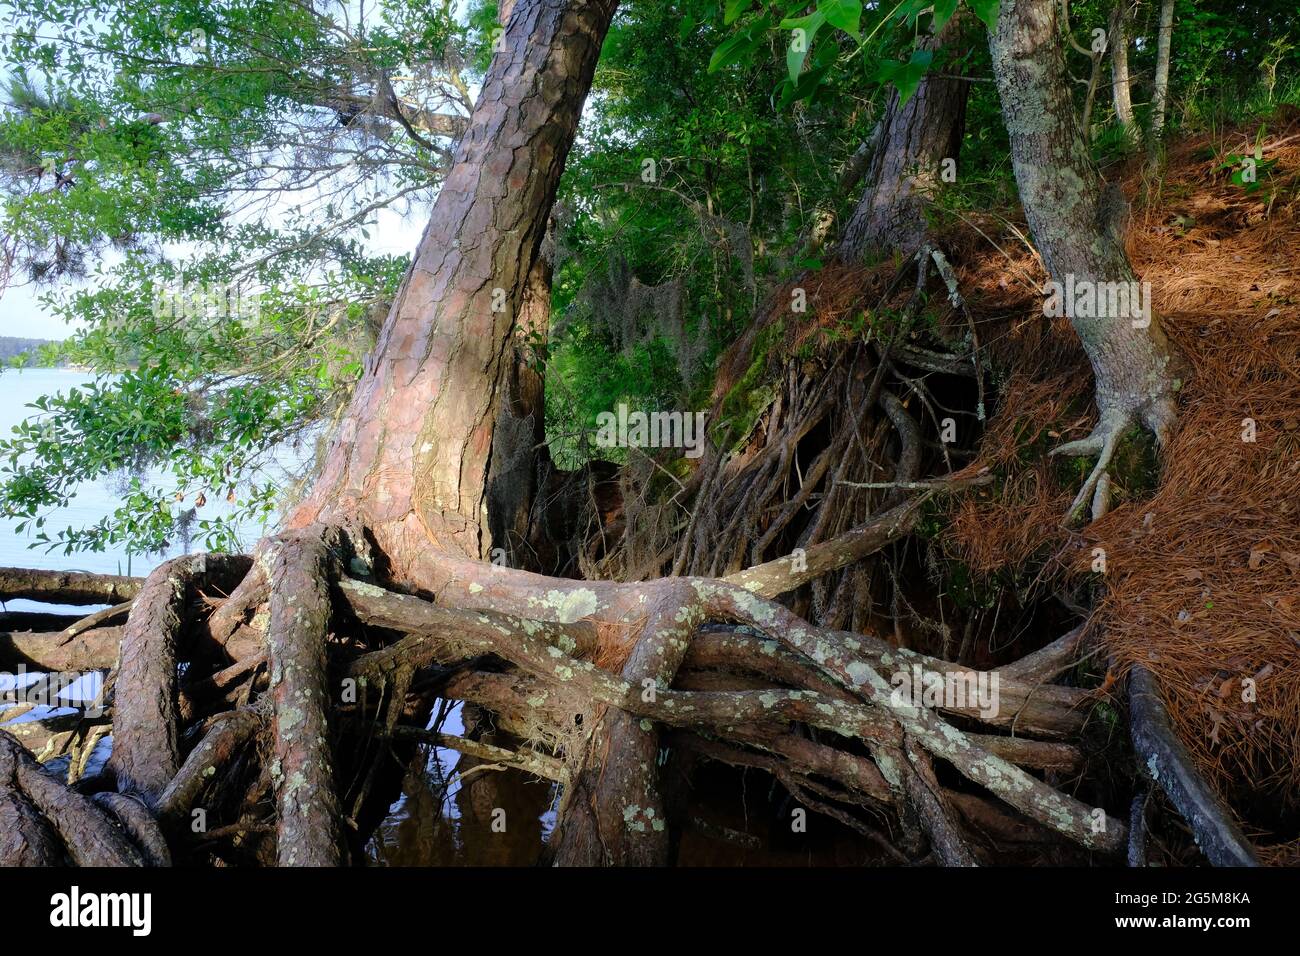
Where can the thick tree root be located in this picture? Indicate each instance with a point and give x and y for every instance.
(1164, 758)
(213, 753)
(43, 809)
(297, 567)
(139, 824)
(146, 750)
(644, 664)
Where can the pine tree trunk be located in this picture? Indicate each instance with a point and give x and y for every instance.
(411, 460)
(1077, 226)
(917, 137)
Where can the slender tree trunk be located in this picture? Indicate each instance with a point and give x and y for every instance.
(916, 139)
(1078, 226)
(1090, 98)
(1160, 92)
(412, 457)
(1121, 85)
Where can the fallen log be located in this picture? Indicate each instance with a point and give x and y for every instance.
(49, 651)
(67, 587)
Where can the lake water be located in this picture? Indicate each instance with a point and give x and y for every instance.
(438, 819)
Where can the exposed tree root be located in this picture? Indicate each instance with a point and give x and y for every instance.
(211, 756)
(1165, 759)
(289, 759)
(1102, 443)
(297, 567)
(146, 750)
(769, 673)
(45, 809)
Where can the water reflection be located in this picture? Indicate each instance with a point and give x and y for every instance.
(458, 811)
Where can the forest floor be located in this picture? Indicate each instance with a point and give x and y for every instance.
(1201, 561)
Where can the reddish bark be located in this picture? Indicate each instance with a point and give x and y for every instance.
(412, 457)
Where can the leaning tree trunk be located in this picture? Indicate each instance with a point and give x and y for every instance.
(1121, 84)
(412, 457)
(401, 501)
(917, 137)
(1160, 92)
(1077, 225)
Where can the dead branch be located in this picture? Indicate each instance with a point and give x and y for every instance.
(67, 587)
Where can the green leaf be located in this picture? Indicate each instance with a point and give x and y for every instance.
(943, 11)
(986, 10)
(729, 51)
(845, 15)
(733, 10)
(737, 47)
(809, 81)
(905, 77)
(687, 25)
(804, 32)
(912, 9)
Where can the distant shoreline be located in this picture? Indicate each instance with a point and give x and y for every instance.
(14, 347)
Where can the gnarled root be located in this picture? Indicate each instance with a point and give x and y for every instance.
(49, 819)
(146, 750)
(298, 567)
(700, 659)
(1170, 766)
(1102, 443)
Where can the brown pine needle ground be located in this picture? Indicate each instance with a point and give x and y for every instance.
(1202, 574)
